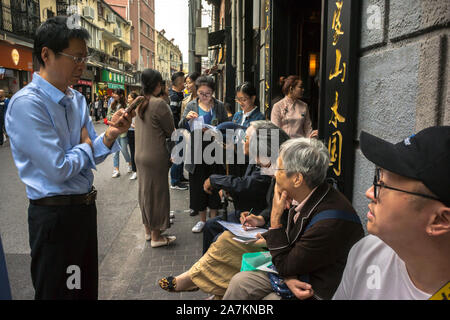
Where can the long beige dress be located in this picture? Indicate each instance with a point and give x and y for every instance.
(152, 162)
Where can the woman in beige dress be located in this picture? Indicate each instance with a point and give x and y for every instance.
(154, 124)
(290, 113)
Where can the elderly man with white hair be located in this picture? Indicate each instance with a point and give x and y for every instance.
(322, 227)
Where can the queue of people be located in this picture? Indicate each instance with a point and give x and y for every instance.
(315, 239)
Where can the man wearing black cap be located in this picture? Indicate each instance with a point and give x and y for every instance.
(407, 254)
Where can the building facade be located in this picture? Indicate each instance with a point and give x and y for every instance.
(168, 56)
(110, 65)
(19, 20)
(142, 15)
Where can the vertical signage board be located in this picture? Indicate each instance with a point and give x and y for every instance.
(339, 88)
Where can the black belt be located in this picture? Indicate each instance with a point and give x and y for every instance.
(68, 200)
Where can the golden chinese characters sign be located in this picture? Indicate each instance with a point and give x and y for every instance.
(339, 89)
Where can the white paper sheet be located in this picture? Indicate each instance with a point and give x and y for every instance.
(196, 123)
(237, 230)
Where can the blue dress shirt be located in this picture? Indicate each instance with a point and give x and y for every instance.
(44, 126)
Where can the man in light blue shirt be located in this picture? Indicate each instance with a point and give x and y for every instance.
(55, 148)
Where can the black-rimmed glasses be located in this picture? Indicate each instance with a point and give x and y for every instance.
(378, 184)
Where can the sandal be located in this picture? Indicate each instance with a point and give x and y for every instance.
(167, 240)
(170, 284)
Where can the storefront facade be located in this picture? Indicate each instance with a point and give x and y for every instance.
(108, 82)
(16, 67)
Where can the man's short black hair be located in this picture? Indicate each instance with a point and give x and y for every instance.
(176, 75)
(55, 35)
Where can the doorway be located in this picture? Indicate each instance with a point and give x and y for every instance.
(296, 48)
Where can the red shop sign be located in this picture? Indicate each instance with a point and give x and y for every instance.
(85, 82)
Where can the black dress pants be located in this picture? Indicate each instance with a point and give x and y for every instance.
(64, 251)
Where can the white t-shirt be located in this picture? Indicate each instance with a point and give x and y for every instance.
(375, 272)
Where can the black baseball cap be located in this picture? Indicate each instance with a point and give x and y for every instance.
(424, 156)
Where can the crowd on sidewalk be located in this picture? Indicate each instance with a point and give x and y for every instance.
(313, 246)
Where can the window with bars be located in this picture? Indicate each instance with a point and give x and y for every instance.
(21, 17)
(99, 10)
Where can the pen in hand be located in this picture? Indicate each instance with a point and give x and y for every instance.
(244, 225)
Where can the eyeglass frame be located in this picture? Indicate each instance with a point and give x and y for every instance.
(206, 95)
(77, 60)
(377, 187)
(243, 100)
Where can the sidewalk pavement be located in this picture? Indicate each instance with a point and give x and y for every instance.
(131, 268)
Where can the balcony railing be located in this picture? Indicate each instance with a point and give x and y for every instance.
(20, 17)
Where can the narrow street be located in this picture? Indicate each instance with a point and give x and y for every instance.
(128, 267)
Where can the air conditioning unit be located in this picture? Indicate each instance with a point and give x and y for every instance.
(111, 18)
(88, 13)
(118, 32)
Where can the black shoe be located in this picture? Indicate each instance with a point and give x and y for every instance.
(193, 213)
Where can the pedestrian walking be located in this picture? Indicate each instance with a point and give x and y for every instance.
(55, 147)
(154, 124)
(3, 107)
(104, 105)
(97, 108)
(119, 102)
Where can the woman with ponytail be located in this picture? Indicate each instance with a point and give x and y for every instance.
(154, 124)
(291, 114)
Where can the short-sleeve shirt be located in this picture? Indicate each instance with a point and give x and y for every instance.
(374, 271)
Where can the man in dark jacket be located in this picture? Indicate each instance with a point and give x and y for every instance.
(176, 98)
(248, 192)
(176, 95)
(322, 227)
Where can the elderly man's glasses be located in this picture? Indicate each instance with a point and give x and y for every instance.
(378, 184)
(77, 60)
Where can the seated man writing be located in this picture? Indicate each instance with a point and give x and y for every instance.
(320, 231)
(248, 191)
(222, 260)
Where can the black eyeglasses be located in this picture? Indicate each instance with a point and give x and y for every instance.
(377, 185)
